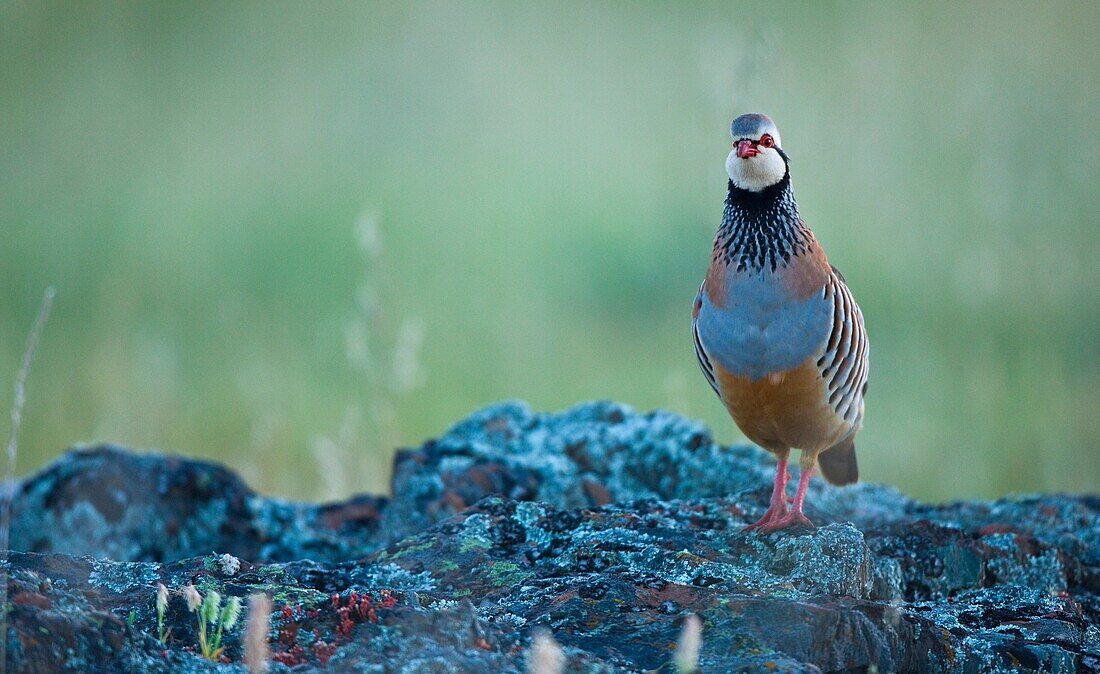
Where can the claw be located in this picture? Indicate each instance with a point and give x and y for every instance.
(791, 519)
(772, 515)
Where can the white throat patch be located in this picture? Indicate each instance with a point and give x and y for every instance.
(756, 173)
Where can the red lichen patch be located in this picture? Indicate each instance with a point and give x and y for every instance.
(291, 658)
(359, 608)
(323, 651)
(300, 631)
(286, 650)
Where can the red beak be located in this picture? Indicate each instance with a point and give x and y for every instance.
(746, 148)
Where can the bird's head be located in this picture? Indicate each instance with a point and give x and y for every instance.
(757, 160)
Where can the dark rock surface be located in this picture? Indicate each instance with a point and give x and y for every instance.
(604, 526)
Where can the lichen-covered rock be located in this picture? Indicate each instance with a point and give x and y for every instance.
(107, 502)
(604, 526)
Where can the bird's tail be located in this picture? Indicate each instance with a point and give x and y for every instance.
(838, 463)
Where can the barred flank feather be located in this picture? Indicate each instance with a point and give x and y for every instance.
(844, 364)
(700, 352)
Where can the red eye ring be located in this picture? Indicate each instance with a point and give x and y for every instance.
(767, 141)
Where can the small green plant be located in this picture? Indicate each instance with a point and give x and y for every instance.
(162, 608)
(209, 611)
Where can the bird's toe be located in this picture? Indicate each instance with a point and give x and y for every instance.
(774, 514)
(790, 520)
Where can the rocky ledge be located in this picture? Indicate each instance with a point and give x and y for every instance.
(600, 525)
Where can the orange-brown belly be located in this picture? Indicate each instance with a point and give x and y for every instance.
(784, 410)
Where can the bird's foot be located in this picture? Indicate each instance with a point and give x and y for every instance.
(774, 513)
(794, 518)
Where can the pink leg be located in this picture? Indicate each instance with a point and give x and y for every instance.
(779, 485)
(795, 516)
(777, 508)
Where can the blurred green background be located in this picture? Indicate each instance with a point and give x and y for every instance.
(290, 237)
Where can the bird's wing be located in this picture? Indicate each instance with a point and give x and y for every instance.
(700, 353)
(844, 362)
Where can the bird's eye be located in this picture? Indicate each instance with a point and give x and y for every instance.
(767, 141)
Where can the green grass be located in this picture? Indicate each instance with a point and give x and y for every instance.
(547, 182)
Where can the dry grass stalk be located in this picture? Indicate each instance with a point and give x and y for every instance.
(545, 655)
(257, 652)
(386, 350)
(18, 401)
(686, 656)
